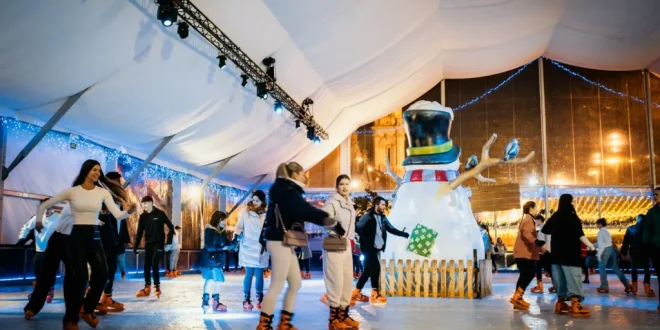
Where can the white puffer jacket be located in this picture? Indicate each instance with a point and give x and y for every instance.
(343, 211)
(250, 224)
(40, 239)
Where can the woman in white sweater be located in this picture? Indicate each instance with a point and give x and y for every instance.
(338, 265)
(90, 190)
(248, 228)
(607, 256)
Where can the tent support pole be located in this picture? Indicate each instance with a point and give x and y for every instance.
(649, 124)
(70, 101)
(217, 170)
(147, 161)
(247, 193)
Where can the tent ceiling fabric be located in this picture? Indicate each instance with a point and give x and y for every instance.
(358, 60)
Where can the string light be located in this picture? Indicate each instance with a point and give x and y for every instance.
(462, 106)
(601, 86)
(64, 141)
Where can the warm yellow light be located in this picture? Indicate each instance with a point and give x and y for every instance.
(615, 149)
(597, 161)
(614, 136)
(597, 155)
(613, 160)
(354, 184)
(195, 192)
(370, 168)
(359, 159)
(593, 172)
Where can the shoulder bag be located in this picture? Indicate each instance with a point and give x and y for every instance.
(291, 237)
(334, 243)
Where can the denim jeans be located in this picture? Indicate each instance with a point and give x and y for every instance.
(567, 281)
(121, 263)
(258, 273)
(609, 258)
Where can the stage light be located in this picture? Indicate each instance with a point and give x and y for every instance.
(317, 140)
(297, 124)
(166, 13)
(182, 30)
(311, 132)
(222, 61)
(278, 107)
(262, 92)
(244, 78)
(269, 62)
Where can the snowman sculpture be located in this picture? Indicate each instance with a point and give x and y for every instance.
(430, 200)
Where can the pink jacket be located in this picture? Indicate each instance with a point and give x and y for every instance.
(525, 245)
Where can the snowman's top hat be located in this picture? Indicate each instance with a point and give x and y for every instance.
(428, 125)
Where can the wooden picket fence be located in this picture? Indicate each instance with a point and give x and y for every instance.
(437, 279)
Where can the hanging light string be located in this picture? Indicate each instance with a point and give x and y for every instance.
(63, 142)
(601, 86)
(462, 106)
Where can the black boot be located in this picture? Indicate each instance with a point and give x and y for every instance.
(247, 304)
(205, 303)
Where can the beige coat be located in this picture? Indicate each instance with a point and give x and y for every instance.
(343, 211)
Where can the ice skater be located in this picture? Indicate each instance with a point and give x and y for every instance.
(213, 260)
(152, 225)
(248, 229)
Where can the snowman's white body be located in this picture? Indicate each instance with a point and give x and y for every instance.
(451, 217)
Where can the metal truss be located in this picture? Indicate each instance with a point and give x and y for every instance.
(196, 19)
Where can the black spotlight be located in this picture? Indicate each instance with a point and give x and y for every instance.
(278, 107)
(297, 124)
(269, 62)
(182, 30)
(244, 78)
(311, 132)
(166, 14)
(222, 61)
(262, 92)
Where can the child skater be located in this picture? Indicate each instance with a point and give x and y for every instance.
(213, 260)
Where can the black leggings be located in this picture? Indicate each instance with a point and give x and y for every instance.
(543, 264)
(111, 259)
(371, 269)
(303, 263)
(38, 263)
(527, 269)
(85, 248)
(56, 251)
(153, 253)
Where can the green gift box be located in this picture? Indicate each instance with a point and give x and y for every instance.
(422, 240)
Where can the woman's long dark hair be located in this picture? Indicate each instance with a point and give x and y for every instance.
(566, 204)
(117, 190)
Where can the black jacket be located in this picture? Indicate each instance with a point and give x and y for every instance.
(633, 240)
(123, 237)
(151, 224)
(367, 230)
(108, 231)
(294, 209)
(214, 244)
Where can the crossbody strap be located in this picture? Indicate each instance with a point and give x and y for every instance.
(278, 218)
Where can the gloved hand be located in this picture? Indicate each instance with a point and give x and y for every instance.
(21, 242)
(339, 230)
(405, 235)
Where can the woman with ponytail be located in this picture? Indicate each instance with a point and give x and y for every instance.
(90, 190)
(286, 196)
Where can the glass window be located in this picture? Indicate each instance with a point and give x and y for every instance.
(595, 137)
(324, 174)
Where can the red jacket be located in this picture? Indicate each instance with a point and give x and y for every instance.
(584, 250)
(354, 248)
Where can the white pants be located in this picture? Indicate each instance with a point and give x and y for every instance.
(338, 275)
(285, 268)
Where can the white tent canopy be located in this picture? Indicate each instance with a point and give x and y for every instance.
(358, 60)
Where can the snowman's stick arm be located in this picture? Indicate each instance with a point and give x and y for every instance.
(486, 162)
(391, 173)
